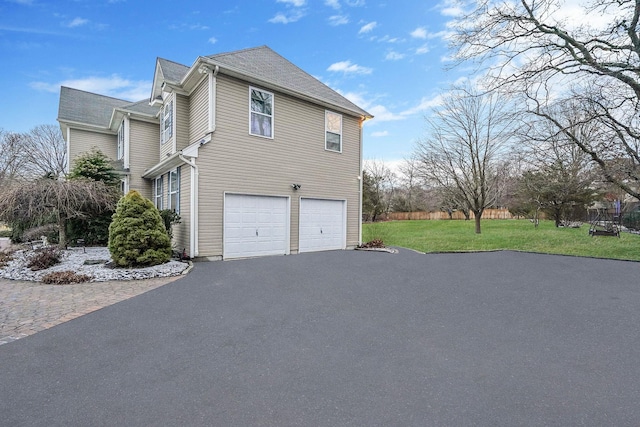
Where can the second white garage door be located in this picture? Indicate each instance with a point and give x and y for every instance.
(322, 225)
(255, 225)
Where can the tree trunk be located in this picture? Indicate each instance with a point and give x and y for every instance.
(62, 233)
(478, 215)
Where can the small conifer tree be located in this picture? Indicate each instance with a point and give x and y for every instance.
(137, 236)
(96, 166)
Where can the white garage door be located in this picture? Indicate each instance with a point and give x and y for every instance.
(322, 225)
(255, 225)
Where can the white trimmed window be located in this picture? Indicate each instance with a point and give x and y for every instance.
(121, 132)
(157, 193)
(333, 131)
(174, 190)
(166, 123)
(261, 113)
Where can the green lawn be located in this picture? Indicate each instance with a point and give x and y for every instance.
(459, 236)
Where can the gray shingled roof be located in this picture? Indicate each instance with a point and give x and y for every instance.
(142, 107)
(86, 107)
(172, 71)
(265, 64)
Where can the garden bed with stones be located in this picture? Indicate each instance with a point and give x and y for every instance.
(87, 261)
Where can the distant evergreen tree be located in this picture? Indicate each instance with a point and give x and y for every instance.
(96, 166)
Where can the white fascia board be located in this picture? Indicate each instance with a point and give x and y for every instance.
(86, 126)
(164, 166)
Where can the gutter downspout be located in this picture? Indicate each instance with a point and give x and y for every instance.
(193, 214)
(213, 84)
(361, 179)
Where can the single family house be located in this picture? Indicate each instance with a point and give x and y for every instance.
(257, 156)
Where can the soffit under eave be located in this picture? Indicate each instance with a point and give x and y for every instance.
(119, 113)
(163, 167)
(158, 78)
(86, 127)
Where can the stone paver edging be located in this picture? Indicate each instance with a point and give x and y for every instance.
(30, 307)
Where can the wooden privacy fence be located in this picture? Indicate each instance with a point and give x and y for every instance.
(488, 214)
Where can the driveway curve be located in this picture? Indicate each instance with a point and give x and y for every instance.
(346, 338)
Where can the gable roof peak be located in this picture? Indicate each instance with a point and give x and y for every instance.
(263, 64)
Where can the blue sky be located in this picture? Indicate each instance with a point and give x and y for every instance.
(386, 56)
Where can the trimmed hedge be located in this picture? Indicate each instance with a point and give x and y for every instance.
(137, 235)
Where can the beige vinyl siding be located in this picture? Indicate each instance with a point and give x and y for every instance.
(181, 122)
(82, 141)
(143, 143)
(181, 231)
(235, 161)
(199, 111)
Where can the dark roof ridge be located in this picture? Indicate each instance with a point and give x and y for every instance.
(233, 52)
(173, 62)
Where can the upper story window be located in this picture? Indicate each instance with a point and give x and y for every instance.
(174, 190)
(261, 113)
(121, 132)
(333, 131)
(166, 122)
(157, 193)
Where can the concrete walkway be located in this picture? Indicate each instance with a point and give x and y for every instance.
(30, 307)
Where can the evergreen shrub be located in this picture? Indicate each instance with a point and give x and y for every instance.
(137, 235)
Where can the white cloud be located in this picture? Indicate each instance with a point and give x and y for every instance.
(380, 134)
(336, 20)
(452, 8)
(368, 27)
(293, 16)
(348, 67)
(422, 49)
(425, 104)
(77, 22)
(114, 85)
(382, 114)
(419, 33)
(332, 3)
(389, 39)
(394, 56)
(295, 3)
(185, 26)
(213, 40)
(355, 3)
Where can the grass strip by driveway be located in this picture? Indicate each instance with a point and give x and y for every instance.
(520, 235)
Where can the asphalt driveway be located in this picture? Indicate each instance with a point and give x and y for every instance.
(346, 338)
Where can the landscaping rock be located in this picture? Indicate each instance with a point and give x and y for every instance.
(75, 259)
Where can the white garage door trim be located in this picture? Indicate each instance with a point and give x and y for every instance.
(255, 225)
(322, 224)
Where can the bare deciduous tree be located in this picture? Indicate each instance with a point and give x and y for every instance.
(34, 154)
(462, 151)
(56, 199)
(46, 151)
(590, 64)
(378, 188)
(12, 159)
